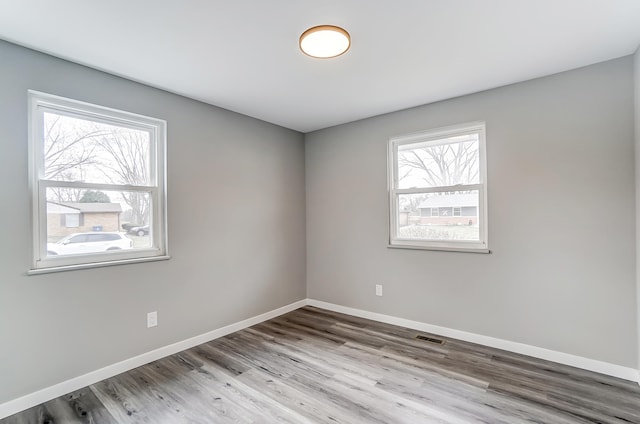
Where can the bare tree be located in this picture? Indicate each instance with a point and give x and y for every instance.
(441, 165)
(77, 150)
(67, 153)
(412, 203)
(64, 194)
(128, 163)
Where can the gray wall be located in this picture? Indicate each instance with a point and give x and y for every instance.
(561, 274)
(236, 232)
(636, 80)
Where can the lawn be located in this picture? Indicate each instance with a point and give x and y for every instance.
(440, 232)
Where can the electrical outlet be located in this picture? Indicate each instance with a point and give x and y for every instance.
(152, 319)
(378, 289)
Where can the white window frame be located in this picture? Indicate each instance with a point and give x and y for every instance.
(41, 102)
(435, 137)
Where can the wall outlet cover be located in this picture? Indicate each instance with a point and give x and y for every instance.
(152, 319)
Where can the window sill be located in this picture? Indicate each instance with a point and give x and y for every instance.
(438, 248)
(95, 265)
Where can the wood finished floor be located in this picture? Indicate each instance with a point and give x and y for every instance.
(316, 366)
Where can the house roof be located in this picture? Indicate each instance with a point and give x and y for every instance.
(451, 200)
(91, 207)
(61, 209)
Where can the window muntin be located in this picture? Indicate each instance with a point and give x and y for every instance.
(437, 189)
(106, 168)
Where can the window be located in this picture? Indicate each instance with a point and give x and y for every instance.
(94, 172)
(81, 238)
(72, 220)
(438, 177)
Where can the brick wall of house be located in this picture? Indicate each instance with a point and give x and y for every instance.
(55, 230)
(110, 221)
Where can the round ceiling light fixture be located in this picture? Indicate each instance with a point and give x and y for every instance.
(325, 41)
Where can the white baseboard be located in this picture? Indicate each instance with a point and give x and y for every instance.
(25, 402)
(601, 367)
(60, 389)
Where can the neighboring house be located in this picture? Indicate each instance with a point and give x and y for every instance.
(64, 218)
(451, 209)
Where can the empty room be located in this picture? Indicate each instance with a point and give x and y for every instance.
(356, 211)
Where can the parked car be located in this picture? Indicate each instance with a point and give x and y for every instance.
(129, 225)
(93, 242)
(140, 231)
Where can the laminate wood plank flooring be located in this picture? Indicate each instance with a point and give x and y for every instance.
(317, 366)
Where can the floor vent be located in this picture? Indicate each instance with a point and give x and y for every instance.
(429, 339)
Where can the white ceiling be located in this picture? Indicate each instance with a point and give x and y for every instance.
(243, 55)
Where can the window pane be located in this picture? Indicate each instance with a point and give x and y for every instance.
(445, 162)
(80, 238)
(416, 224)
(77, 149)
(107, 221)
(72, 220)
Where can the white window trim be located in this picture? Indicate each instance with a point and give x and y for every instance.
(481, 246)
(38, 103)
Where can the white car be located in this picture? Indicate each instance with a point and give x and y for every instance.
(80, 243)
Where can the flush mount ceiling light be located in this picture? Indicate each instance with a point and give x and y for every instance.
(325, 41)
